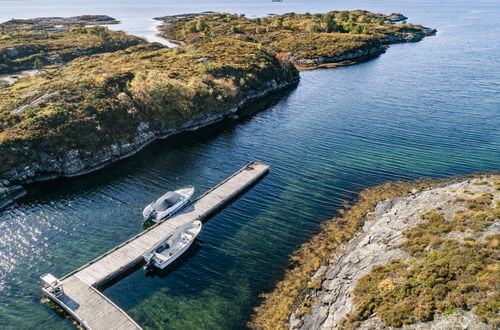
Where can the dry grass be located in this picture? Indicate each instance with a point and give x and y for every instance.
(277, 306)
(102, 99)
(443, 275)
(305, 36)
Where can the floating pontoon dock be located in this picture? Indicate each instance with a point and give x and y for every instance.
(77, 291)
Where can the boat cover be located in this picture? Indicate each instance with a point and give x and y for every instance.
(166, 201)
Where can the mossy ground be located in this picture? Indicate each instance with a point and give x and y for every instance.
(278, 305)
(21, 47)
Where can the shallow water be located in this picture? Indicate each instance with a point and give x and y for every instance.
(429, 109)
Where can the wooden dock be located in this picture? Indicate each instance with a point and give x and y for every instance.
(89, 306)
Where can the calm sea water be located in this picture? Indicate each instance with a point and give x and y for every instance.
(429, 109)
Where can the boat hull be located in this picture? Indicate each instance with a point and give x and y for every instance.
(171, 248)
(150, 214)
(173, 258)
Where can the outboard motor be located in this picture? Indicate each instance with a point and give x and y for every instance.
(151, 215)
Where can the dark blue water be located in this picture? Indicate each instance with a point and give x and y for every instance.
(429, 109)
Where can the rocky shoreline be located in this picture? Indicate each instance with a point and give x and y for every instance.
(378, 242)
(364, 268)
(361, 55)
(365, 53)
(71, 163)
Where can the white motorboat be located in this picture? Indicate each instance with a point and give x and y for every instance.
(172, 247)
(168, 204)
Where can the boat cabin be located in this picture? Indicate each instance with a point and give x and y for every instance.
(166, 201)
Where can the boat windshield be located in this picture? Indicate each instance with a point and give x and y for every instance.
(162, 248)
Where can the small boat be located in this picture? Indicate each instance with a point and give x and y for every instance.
(168, 204)
(172, 247)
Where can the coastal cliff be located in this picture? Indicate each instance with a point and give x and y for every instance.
(417, 256)
(95, 109)
(95, 96)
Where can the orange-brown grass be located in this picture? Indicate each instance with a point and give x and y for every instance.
(277, 306)
(443, 275)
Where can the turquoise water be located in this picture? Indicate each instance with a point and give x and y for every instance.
(429, 109)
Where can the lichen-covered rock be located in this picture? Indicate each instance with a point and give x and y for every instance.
(379, 242)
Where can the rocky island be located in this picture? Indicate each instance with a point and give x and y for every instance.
(418, 255)
(95, 96)
(309, 40)
(118, 94)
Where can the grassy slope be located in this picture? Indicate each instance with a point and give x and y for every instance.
(443, 275)
(102, 99)
(467, 286)
(20, 47)
(306, 36)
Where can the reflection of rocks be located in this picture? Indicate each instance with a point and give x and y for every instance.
(379, 242)
(10, 194)
(71, 163)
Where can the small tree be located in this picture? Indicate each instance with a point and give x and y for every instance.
(37, 65)
(344, 16)
(201, 25)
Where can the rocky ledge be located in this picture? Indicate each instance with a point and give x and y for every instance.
(381, 240)
(368, 52)
(360, 55)
(72, 163)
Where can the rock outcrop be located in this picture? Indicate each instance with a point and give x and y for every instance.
(362, 54)
(379, 242)
(70, 163)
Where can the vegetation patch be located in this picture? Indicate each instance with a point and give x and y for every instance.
(101, 100)
(441, 276)
(277, 306)
(303, 36)
(25, 47)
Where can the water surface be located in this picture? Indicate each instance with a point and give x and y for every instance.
(429, 109)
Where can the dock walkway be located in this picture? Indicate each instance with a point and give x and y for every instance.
(89, 306)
